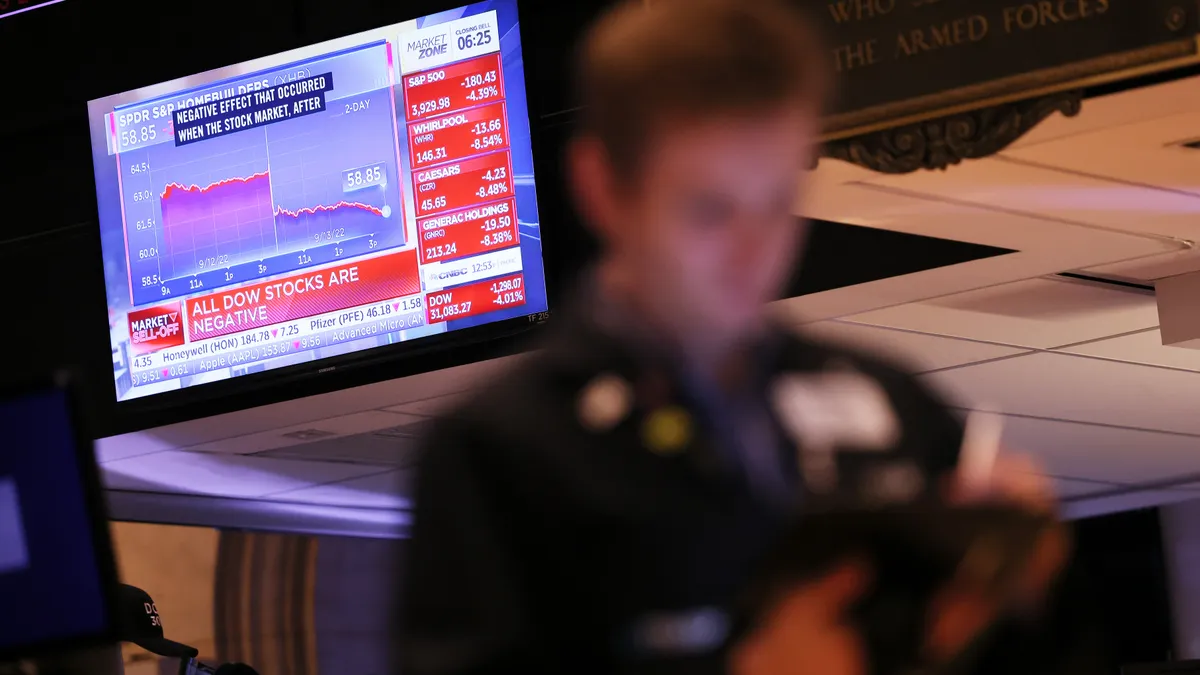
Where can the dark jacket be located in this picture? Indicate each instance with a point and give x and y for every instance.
(544, 544)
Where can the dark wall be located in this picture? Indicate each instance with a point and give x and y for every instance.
(1123, 557)
(1108, 609)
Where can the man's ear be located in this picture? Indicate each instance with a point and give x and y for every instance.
(592, 183)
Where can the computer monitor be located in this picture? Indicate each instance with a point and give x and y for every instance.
(57, 574)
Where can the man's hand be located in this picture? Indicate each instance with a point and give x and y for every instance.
(807, 633)
(1017, 479)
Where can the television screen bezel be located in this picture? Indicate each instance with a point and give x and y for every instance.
(375, 364)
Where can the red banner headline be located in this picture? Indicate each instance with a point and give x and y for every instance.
(457, 86)
(156, 328)
(474, 299)
(458, 135)
(467, 183)
(469, 232)
(303, 295)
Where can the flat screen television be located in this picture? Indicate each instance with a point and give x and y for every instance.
(350, 195)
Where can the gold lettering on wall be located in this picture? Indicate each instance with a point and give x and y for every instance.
(857, 55)
(846, 11)
(1031, 15)
(942, 36)
(936, 37)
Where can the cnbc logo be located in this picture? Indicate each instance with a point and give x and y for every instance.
(13, 7)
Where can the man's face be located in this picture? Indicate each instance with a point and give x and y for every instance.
(706, 229)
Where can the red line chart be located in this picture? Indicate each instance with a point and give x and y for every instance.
(172, 188)
(193, 188)
(325, 208)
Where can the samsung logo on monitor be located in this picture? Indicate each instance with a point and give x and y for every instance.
(13, 7)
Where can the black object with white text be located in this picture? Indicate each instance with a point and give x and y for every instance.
(138, 622)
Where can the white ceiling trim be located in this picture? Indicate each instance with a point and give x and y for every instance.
(1044, 245)
(1041, 313)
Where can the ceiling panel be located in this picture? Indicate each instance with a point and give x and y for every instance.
(1044, 245)
(430, 407)
(1149, 270)
(369, 448)
(1103, 453)
(922, 203)
(334, 404)
(1065, 488)
(1080, 389)
(1089, 507)
(132, 445)
(1065, 197)
(1145, 347)
(919, 352)
(1145, 153)
(1037, 313)
(378, 491)
(372, 420)
(229, 476)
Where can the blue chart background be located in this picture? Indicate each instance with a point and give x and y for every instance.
(201, 164)
(305, 158)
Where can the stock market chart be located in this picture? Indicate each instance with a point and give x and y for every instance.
(359, 193)
(266, 200)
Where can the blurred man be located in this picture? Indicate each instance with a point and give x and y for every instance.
(596, 510)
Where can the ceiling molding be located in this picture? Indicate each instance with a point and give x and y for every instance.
(260, 515)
